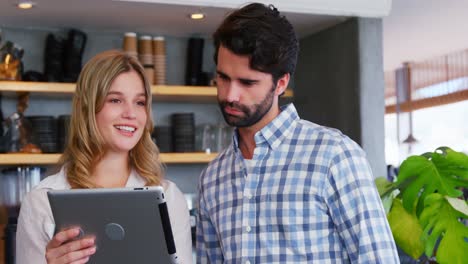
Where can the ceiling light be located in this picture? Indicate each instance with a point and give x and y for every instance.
(197, 16)
(25, 4)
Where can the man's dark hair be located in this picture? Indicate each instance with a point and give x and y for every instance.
(260, 32)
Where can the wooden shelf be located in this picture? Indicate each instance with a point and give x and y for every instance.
(44, 159)
(37, 87)
(187, 158)
(160, 92)
(164, 93)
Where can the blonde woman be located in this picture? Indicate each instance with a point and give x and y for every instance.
(109, 146)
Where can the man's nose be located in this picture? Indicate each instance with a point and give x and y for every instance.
(233, 92)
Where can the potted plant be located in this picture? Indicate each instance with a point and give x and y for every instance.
(425, 206)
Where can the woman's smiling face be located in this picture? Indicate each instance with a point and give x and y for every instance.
(122, 119)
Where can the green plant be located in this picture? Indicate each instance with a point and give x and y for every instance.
(425, 206)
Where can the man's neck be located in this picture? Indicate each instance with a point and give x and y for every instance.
(247, 142)
(247, 134)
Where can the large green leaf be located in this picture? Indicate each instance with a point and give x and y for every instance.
(406, 230)
(441, 222)
(442, 171)
(452, 163)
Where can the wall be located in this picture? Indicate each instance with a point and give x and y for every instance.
(339, 83)
(33, 42)
(422, 29)
(415, 31)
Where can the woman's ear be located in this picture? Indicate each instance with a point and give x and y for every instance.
(282, 84)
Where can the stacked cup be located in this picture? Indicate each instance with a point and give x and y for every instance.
(130, 44)
(145, 55)
(159, 51)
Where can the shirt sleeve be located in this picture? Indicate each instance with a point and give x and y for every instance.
(356, 209)
(180, 223)
(208, 245)
(34, 228)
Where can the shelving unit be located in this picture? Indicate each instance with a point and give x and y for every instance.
(47, 159)
(163, 93)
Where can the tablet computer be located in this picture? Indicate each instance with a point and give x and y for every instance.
(131, 225)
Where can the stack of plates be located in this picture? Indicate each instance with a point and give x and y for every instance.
(44, 131)
(162, 136)
(63, 125)
(183, 132)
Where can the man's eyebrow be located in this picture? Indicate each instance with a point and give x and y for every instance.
(252, 81)
(244, 80)
(222, 73)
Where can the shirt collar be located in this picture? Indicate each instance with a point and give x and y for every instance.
(135, 180)
(275, 131)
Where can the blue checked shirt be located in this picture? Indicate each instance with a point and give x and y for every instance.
(309, 198)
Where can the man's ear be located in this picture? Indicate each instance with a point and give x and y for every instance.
(282, 84)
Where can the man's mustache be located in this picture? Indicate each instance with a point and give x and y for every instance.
(234, 105)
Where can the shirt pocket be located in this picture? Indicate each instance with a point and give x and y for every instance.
(292, 217)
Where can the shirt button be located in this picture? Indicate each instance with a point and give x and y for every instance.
(248, 229)
(248, 195)
(247, 262)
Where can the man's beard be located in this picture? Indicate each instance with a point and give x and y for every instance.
(252, 114)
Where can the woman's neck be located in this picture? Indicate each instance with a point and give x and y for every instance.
(112, 171)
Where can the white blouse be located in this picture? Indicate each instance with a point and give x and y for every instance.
(36, 224)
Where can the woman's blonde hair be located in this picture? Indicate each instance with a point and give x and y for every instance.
(85, 145)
